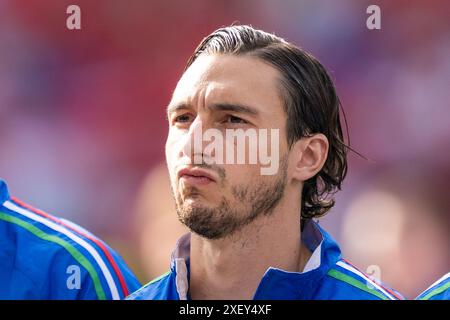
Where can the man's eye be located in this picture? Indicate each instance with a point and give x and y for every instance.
(183, 118)
(233, 119)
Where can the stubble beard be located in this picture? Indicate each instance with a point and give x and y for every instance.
(248, 202)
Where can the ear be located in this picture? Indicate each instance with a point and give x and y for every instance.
(308, 155)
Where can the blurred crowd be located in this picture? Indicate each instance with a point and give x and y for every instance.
(83, 123)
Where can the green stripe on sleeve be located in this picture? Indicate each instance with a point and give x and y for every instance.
(436, 291)
(76, 254)
(158, 278)
(352, 281)
(146, 285)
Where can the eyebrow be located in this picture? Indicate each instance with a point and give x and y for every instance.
(219, 107)
(234, 107)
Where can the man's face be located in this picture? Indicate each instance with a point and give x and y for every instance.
(224, 92)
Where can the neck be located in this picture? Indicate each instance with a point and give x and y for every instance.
(232, 267)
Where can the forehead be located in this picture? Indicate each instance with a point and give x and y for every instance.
(222, 78)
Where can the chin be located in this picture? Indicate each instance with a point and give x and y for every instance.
(196, 202)
(197, 197)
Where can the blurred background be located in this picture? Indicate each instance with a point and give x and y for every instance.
(82, 119)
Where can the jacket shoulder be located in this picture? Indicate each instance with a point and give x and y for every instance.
(440, 290)
(159, 288)
(63, 249)
(343, 281)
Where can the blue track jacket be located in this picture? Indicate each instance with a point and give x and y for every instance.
(45, 257)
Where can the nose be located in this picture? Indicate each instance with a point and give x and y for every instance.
(193, 142)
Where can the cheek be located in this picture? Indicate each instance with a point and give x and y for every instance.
(172, 150)
(242, 173)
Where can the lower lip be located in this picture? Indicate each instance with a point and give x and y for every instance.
(195, 180)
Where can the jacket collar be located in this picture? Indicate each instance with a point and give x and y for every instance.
(276, 283)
